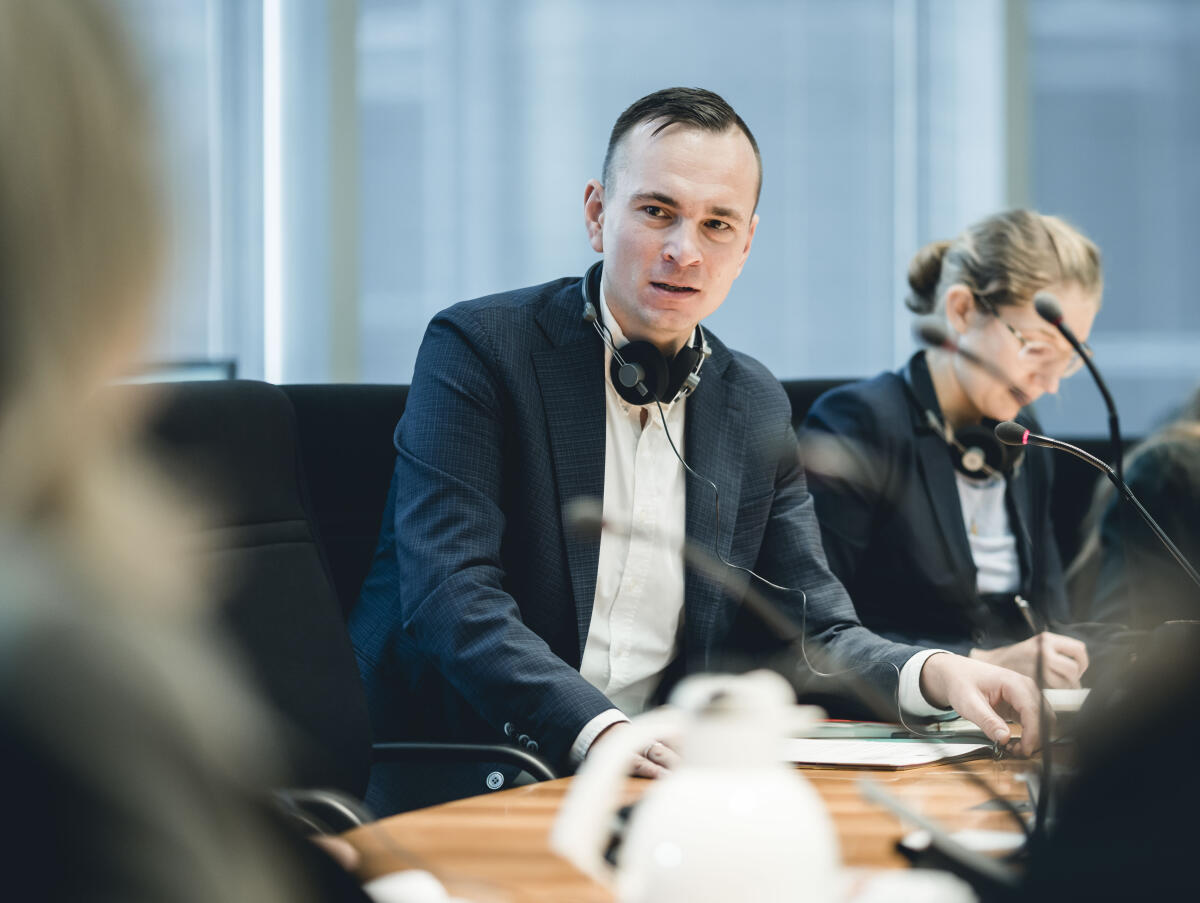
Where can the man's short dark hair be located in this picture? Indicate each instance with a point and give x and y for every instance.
(692, 107)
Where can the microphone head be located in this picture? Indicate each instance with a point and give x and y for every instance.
(584, 515)
(1012, 433)
(1048, 307)
(932, 331)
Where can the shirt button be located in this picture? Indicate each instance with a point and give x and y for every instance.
(532, 746)
(510, 729)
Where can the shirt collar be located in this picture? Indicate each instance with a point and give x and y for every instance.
(614, 328)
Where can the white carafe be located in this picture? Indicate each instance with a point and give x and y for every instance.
(731, 822)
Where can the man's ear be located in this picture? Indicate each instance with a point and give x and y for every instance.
(593, 214)
(749, 241)
(959, 304)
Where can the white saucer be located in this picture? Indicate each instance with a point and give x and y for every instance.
(1063, 701)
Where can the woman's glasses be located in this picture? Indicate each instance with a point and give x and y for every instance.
(1044, 356)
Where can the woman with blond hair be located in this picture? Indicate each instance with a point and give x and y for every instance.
(940, 534)
(133, 755)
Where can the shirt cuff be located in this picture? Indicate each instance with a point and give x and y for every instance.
(592, 730)
(912, 700)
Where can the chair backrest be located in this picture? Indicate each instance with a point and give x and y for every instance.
(345, 434)
(234, 442)
(803, 392)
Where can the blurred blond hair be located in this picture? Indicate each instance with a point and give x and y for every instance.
(1009, 257)
(82, 245)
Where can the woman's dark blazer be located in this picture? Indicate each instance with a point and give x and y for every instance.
(891, 520)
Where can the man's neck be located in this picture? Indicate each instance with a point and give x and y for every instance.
(620, 335)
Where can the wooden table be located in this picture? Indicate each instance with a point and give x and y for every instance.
(495, 847)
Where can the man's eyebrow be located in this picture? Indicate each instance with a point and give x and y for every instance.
(726, 213)
(668, 201)
(657, 196)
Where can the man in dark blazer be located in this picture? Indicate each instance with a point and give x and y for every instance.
(480, 602)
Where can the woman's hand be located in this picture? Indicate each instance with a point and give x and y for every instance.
(1064, 659)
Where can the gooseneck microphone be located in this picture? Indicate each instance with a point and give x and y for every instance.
(1012, 433)
(1050, 310)
(933, 332)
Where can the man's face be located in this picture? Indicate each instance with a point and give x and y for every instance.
(675, 225)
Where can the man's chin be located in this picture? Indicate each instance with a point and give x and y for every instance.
(660, 325)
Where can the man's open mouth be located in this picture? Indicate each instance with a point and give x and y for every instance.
(676, 289)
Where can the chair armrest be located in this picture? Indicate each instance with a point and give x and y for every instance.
(321, 810)
(535, 766)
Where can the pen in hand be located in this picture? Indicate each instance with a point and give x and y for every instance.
(1027, 613)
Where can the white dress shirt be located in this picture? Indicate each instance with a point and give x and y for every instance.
(993, 546)
(637, 613)
(638, 609)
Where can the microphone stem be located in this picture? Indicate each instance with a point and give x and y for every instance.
(1114, 426)
(1114, 433)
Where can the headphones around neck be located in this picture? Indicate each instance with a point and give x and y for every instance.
(639, 372)
(974, 449)
(976, 452)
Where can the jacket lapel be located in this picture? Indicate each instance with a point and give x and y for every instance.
(937, 474)
(573, 399)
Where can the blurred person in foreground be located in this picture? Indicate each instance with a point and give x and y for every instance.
(938, 546)
(134, 759)
(1123, 575)
(1124, 827)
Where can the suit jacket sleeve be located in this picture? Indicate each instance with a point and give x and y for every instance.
(450, 529)
(864, 663)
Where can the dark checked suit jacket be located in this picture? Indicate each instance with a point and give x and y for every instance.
(474, 615)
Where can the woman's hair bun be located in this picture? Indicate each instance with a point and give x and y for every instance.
(924, 274)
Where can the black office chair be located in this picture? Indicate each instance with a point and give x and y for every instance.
(345, 436)
(233, 443)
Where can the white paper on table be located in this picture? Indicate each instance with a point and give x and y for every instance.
(900, 753)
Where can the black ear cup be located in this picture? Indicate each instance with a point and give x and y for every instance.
(685, 371)
(639, 371)
(975, 450)
(640, 374)
(981, 452)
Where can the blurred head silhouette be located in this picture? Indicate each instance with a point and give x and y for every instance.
(81, 248)
(117, 707)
